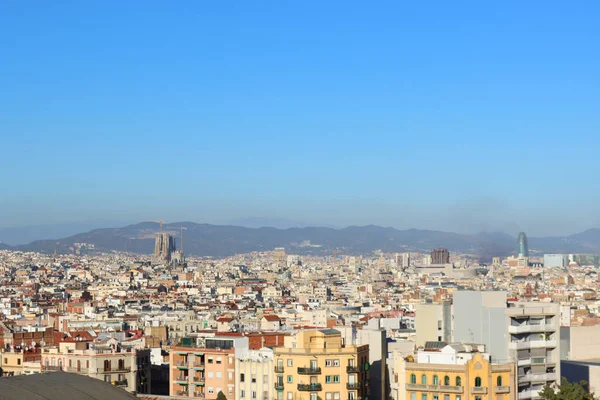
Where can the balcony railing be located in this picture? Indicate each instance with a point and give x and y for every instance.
(526, 328)
(353, 386)
(121, 383)
(181, 378)
(199, 394)
(502, 389)
(278, 385)
(278, 370)
(479, 390)
(182, 393)
(199, 379)
(533, 344)
(352, 369)
(434, 388)
(113, 370)
(313, 387)
(549, 376)
(309, 371)
(197, 365)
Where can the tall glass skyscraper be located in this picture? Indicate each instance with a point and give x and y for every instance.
(522, 247)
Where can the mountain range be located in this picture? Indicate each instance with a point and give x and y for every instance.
(225, 240)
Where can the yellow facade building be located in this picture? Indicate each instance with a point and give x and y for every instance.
(315, 364)
(476, 379)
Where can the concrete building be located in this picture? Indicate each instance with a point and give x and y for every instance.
(440, 256)
(556, 261)
(20, 361)
(315, 363)
(433, 323)
(254, 374)
(525, 333)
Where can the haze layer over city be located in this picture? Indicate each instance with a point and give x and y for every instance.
(299, 200)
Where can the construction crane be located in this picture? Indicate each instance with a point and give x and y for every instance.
(160, 221)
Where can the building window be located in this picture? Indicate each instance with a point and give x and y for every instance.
(242, 379)
(219, 360)
(413, 396)
(477, 397)
(219, 375)
(253, 378)
(290, 363)
(328, 396)
(6, 361)
(210, 360)
(254, 394)
(328, 379)
(87, 364)
(336, 363)
(436, 397)
(70, 363)
(436, 380)
(290, 395)
(19, 361)
(458, 397)
(423, 379)
(336, 396)
(107, 378)
(413, 379)
(328, 363)
(121, 365)
(424, 396)
(313, 396)
(447, 380)
(290, 379)
(458, 382)
(499, 381)
(107, 365)
(478, 382)
(210, 390)
(446, 397)
(336, 379)
(242, 394)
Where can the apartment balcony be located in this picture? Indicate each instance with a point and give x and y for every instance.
(353, 386)
(479, 390)
(528, 394)
(313, 387)
(309, 371)
(502, 389)
(278, 370)
(197, 365)
(199, 395)
(123, 370)
(182, 393)
(434, 388)
(181, 378)
(199, 379)
(182, 364)
(352, 369)
(122, 383)
(532, 344)
(527, 328)
(278, 385)
(550, 376)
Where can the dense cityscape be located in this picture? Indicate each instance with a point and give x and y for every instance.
(273, 326)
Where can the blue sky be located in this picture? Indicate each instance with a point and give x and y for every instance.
(462, 116)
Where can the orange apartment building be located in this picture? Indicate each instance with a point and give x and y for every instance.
(203, 367)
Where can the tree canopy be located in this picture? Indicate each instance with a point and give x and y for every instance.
(568, 391)
(221, 395)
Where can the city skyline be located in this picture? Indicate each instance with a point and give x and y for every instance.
(452, 118)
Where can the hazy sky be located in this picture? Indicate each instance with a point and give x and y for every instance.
(460, 116)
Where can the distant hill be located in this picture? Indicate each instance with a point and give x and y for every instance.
(225, 240)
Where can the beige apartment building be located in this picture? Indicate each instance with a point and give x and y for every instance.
(315, 364)
(126, 368)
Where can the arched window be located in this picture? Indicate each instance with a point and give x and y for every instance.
(499, 381)
(436, 380)
(121, 365)
(478, 382)
(458, 382)
(107, 365)
(447, 380)
(423, 379)
(413, 378)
